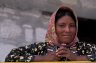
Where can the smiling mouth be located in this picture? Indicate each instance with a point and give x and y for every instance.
(66, 35)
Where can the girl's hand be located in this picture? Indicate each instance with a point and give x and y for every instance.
(65, 52)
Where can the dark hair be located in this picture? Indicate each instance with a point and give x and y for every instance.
(63, 12)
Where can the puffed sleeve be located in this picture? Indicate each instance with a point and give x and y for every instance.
(87, 49)
(26, 53)
(92, 54)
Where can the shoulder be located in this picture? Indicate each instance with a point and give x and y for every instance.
(34, 45)
(26, 51)
(85, 44)
(86, 48)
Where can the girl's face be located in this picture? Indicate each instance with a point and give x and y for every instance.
(65, 29)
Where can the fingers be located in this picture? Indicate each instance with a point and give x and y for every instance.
(61, 52)
(62, 48)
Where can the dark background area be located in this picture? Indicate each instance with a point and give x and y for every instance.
(87, 30)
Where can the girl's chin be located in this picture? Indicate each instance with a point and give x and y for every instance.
(65, 42)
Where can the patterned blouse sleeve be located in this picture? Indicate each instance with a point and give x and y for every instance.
(26, 53)
(87, 49)
(92, 55)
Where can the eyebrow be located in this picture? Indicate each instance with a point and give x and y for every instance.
(65, 23)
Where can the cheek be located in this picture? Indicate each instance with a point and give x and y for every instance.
(73, 34)
(73, 31)
(58, 30)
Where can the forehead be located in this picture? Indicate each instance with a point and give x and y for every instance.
(66, 19)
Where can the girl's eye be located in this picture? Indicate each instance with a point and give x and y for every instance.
(61, 25)
(72, 25)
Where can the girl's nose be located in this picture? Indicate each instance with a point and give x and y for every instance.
(67, 29)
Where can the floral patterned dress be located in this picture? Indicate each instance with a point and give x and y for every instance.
(27, 53)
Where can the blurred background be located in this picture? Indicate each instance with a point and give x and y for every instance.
(23, 22)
